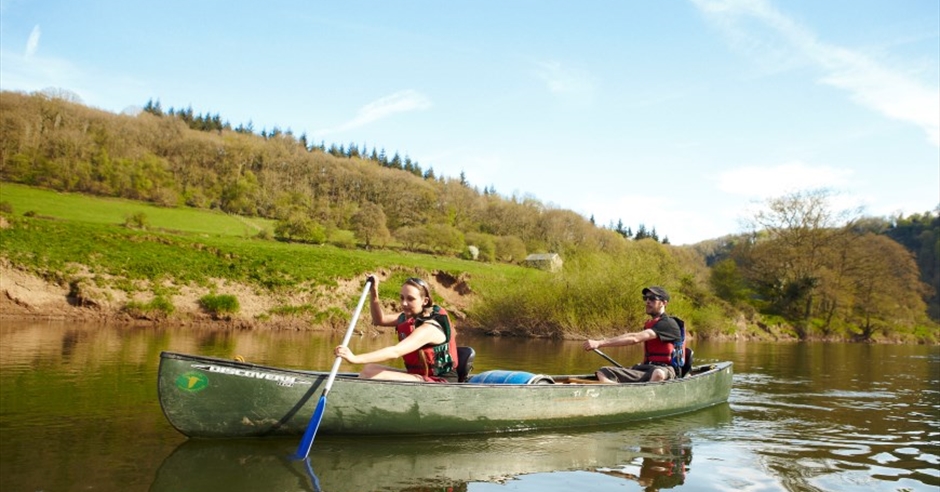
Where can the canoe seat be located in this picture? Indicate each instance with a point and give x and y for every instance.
(687, 367)
(464, 362)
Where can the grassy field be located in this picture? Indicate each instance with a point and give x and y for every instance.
(56, 235)
(116, 211)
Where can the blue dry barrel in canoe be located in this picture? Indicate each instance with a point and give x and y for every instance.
(509, 377)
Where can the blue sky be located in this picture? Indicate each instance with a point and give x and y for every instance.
(679, 115)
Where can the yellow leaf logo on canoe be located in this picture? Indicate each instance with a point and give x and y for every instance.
(192, 381)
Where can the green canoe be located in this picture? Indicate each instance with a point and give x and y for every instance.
(213, 397)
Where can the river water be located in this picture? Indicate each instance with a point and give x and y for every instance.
(79, 412)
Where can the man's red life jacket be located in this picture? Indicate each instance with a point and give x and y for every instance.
(430, 360)
(656, 350)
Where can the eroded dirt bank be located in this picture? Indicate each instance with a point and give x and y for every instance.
(24, 295)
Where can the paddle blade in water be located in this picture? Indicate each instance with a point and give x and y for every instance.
(304, 449)
(311, 431)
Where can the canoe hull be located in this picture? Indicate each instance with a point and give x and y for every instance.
(211, 397)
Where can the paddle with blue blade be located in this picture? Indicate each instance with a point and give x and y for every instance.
(304, 449)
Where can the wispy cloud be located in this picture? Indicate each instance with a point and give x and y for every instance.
(20, 72)
(399, 102)
(571, 84)
(772, 181)
(26, 72)
(870, 83)
(560, 79)
(32, 44)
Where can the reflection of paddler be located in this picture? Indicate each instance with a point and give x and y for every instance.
(664, 465)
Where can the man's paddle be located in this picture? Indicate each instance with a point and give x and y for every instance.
(612, 361)
(304, 449)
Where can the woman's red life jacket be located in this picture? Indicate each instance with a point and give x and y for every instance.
(658, 351)
(430, 360)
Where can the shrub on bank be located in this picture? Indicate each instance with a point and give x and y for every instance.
(600, 294)
(157, 308)
(219, 305)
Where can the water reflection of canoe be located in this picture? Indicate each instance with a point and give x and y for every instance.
(211, 397)
(357, 463)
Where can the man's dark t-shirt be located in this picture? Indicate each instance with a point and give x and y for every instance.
(667, 329)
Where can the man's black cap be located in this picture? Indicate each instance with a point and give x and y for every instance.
(657, 291)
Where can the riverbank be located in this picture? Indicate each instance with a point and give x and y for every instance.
(24, 295)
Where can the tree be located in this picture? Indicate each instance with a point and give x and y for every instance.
(920, 234)
(240, 195)
(887, 290)
(412, 237)
(396, 162)
(153, 107)
(444, 239)
(510, 249)
(485, 243)
(793, 235)
(620, 230)
(300, 228)
(369, 224)
(727, 283)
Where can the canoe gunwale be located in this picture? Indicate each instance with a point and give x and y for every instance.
(696, 372)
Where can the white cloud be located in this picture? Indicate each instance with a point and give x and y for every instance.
(774, 181)
(867, 81)
(399, 102)
(32, 44)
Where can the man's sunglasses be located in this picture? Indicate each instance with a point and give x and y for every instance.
(650, 298)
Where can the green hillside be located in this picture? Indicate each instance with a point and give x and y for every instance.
(207, 204)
